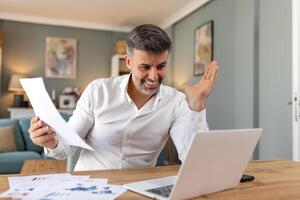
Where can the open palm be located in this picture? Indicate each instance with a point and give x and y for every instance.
(197, 94)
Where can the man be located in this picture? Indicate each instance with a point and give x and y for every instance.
(128, 119)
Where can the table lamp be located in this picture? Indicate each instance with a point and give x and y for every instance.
(15, 86)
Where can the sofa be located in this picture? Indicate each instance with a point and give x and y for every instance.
(11, 162)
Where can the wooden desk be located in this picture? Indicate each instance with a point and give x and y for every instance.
(44, 166)
(275, 179)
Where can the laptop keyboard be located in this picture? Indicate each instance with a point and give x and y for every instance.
(164, 191)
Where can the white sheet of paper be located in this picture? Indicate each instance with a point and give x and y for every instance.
(16, 193)
(77, 190)
(44, 108)
(58, 186)
(48, 179)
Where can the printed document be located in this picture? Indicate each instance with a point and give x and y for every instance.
(44, 108)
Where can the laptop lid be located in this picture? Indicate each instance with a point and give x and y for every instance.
(215, 161)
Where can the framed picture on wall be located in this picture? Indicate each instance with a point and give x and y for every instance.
(61, 58)
(203, 50)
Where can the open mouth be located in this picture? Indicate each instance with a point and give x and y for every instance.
(150, 84)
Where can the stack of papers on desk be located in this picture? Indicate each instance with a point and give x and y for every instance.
(60, 186)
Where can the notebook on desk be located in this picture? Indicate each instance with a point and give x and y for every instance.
(215, 161)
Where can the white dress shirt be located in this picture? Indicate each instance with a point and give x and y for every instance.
(124, 136)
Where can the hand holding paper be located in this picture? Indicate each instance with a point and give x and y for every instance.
(46, 111)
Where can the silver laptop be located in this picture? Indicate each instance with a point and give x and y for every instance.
(215, 161)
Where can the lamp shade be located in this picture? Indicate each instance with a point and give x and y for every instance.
(14, 83)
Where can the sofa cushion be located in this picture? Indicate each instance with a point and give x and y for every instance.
(12, 162)
(30, 146)
(17, 132)
(7, 139)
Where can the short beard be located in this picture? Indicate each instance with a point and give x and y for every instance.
(141, 86)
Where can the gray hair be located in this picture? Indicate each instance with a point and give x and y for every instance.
(148, 37)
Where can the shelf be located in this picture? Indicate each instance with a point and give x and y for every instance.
(118, 65)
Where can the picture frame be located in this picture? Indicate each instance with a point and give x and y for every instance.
(67, 101)
(203, 49)
(61, 58)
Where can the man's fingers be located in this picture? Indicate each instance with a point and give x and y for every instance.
(214, 74)
(215, 63)
(36, 125)
(207, 72)
(43, 139)
(51, 130)
(34, 119)
(40, 132)
(213, 69)
(209, 69)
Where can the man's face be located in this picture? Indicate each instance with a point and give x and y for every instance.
(148, 70)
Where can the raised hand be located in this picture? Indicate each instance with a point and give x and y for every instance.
(197, 94)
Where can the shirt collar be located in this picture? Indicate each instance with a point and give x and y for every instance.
(125, 81)
(124, 86)
(158, 95)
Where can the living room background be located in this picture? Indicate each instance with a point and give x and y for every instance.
(252, 43)
(24, 53)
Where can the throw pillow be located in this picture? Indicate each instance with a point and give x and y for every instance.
(17, 131)
(7, 139)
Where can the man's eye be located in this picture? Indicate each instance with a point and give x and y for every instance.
(161, 66)
(145, 67)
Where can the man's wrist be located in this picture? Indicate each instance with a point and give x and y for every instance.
(197, 106)
(203, 106)
(54, 146)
